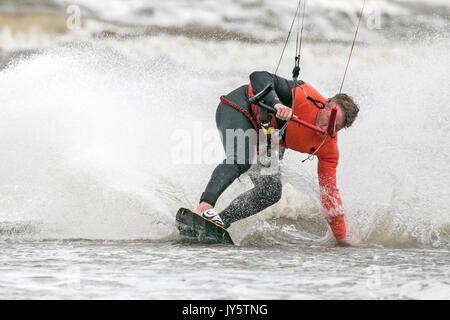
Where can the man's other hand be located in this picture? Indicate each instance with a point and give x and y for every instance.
(343, 243)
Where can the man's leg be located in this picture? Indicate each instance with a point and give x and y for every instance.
(266, 192)
(239, 157)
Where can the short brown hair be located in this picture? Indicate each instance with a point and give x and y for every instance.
(348, 106)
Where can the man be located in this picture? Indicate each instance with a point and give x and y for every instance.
(236, 113)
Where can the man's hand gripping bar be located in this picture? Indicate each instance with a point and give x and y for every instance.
(257, 100)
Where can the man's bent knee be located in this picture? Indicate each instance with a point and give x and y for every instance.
(271, 191)
(275, 190)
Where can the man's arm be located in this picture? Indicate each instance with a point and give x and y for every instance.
(282, 88)
(331, 199)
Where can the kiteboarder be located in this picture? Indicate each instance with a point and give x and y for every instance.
(236, 115)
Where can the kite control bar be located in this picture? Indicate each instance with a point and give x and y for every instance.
(332, 121)
(258, 97)
(257, 100)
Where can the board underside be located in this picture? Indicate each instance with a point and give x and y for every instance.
(195, 228)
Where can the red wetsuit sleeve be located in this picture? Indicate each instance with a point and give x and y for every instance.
(331, 199)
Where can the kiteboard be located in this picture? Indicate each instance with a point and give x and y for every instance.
(195, 228)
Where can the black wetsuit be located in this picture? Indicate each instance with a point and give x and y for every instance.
(267, 188)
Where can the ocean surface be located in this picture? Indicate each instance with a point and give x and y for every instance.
(107, 115)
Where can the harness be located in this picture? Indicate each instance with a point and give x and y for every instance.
(260, 119)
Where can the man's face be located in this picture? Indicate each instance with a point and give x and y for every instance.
(324, 117)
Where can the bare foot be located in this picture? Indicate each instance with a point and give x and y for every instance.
(202, 207)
